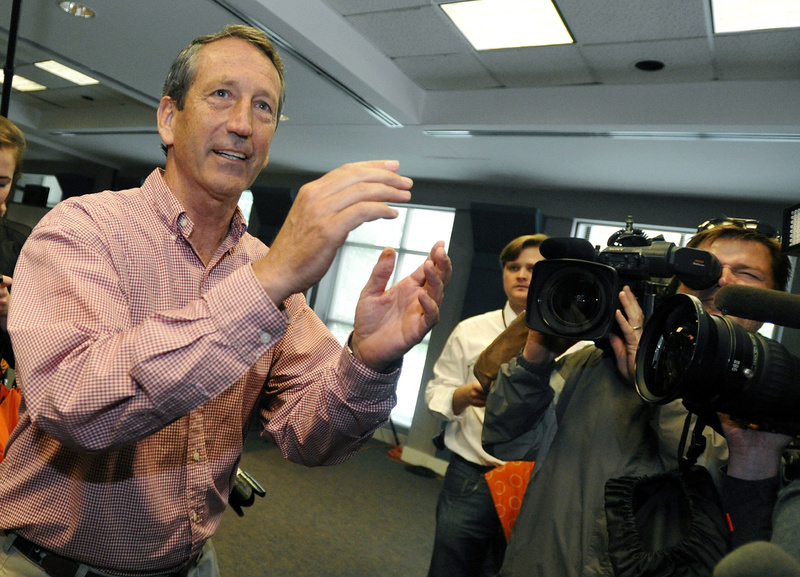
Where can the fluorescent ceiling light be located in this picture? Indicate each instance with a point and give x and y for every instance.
(66, 73)
(744, 15)
(76, 9)
(23, 84)
(493, 24)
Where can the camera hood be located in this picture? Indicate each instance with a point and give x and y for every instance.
(572, 298)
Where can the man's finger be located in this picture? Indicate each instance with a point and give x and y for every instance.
(381, 273)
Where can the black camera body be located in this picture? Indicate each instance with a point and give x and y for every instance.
(576, 298)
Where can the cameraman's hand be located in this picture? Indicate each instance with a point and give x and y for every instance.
(540, 348)
(631, 325)
(753, 454)
(469, 395)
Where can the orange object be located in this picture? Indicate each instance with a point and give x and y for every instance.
(507, 484)
(9, 414)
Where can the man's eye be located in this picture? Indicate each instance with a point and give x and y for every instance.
(221, 93)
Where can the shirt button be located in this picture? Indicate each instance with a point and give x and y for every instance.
(194, 515)
(196, 456)
(264, 336)
(182, 220)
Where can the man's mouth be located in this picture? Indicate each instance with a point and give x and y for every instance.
(231, 155)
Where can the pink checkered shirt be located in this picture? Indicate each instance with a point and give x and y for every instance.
(142, 369)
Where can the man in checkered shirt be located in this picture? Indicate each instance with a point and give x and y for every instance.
(152, 331)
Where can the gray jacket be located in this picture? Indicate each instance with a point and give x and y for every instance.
(594, 428)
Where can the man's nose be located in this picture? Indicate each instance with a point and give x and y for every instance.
(726, 277)
(240, 121)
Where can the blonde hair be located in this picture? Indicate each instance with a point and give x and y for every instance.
(513, 249)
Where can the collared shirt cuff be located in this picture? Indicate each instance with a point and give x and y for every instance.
(364, 382)
(244, 313)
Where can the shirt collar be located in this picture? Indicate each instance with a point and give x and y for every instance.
(508, 314)
(174, 216)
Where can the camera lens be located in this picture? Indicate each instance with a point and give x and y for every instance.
(714, 364)
(678, 351)
(683, 348)
(573, 300)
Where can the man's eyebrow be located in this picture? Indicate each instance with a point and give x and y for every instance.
(232, 82)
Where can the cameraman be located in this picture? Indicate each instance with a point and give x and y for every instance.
(750, 253)
(595, 427)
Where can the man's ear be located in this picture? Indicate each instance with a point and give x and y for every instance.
(166, 116)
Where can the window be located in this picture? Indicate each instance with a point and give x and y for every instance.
(411, 234)
(246, 204)
(597, 232)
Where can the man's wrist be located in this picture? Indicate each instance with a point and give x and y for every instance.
(543, 368)
(386, 370)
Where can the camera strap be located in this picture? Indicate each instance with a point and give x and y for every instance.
(688, 457)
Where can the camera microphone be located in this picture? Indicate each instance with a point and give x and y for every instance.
(759, 304)
(568, 247)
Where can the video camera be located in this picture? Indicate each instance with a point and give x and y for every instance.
(714, 365)
(574, 292)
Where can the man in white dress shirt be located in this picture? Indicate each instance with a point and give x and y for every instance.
(469, 538)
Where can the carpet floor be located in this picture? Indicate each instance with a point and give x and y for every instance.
(370, 516)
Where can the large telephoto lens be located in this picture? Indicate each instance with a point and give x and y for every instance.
(572, 299)
(712, 363)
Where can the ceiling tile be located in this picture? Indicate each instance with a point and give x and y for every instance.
(685, 61)
(348, 7)
(544, 65)
(413, 32)
(602, 21)
(447, 72)
(758, 55)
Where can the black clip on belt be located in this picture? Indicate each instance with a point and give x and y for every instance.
(58, 566)
(53, 564)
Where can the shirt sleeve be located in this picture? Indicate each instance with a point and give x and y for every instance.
(449, 372)
(93, 377)
(786, 520)
(748, 506)
(520, 414)
(321, 403)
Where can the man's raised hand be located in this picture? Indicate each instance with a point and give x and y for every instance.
(389, 322)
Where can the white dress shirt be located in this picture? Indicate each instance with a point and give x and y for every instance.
(453, 369)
